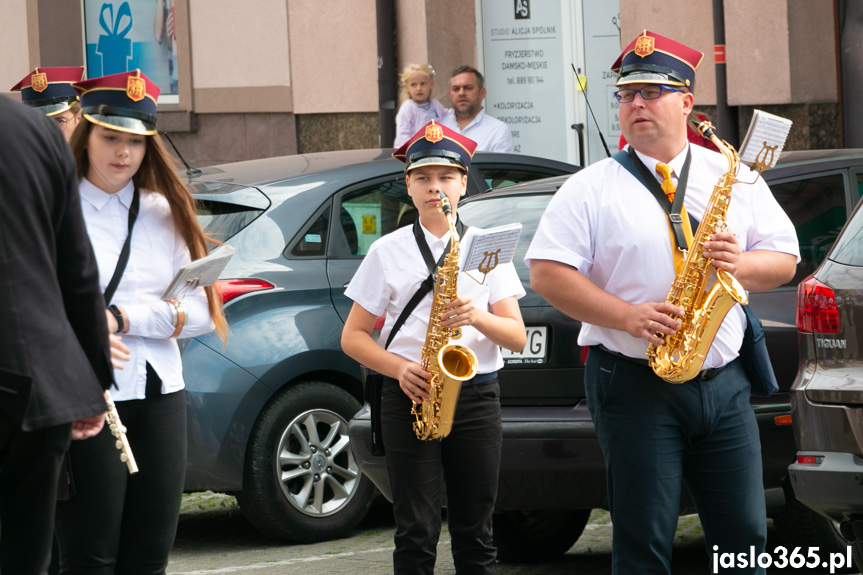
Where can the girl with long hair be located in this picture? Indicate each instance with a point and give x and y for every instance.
(141, 221)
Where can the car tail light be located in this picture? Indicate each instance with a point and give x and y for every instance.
(230, 289)
(809, 460)
(816, 308)
(379, 323)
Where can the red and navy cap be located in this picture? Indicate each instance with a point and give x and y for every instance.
(655, 59)
(436, 145)
(124, 102)
(49, 90)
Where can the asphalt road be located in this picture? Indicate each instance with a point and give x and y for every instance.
(214, 538)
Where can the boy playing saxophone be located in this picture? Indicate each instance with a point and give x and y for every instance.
(468, 459)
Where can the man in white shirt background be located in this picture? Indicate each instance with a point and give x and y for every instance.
(467, 91)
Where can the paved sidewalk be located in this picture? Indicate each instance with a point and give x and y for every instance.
(214, 537)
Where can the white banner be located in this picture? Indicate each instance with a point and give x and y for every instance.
(524, 67)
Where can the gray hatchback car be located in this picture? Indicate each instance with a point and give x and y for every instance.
(827, 397)
(268, 412)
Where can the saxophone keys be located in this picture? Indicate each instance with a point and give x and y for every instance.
(119, 445)
(123, 457)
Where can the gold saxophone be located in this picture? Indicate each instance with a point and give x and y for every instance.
(449, 363)
(118, 430)
(682, 355)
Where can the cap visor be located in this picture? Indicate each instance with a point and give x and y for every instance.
(647, 78)
(434, 161)
(123, 124)
(53, 109)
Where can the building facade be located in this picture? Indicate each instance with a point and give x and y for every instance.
(274, 77)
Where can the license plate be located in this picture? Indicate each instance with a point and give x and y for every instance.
(535, 350)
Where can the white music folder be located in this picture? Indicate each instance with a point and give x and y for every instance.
(491, 247)
(199, 273)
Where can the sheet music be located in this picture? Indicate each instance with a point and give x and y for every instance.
(764, 139)
(199, 273)
(491, 247)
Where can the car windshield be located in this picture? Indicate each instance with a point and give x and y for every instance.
(849, 247)
(488, 212)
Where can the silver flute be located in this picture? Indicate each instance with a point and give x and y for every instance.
(118, 430)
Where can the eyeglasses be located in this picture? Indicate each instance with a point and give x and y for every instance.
(62, 122)
(647, 93)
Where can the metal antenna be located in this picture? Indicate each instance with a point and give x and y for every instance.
(191, 171)
(580, 85)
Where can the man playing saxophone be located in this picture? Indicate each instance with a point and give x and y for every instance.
(468, 459)
(603, 254)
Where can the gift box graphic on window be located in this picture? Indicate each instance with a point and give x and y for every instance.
(114, 47)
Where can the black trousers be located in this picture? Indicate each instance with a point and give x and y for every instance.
(467, 462)
(30, 464)
(655, 435)
(116, 523)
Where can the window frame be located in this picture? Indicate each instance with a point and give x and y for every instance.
(845, 174)
(335, 225)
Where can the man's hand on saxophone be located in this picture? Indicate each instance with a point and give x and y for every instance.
(724, 250)
(644, 320)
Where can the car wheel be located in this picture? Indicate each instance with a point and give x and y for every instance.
(530, 536)
(300, 481)
(799, 526)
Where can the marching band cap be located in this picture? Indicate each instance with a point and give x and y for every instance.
(655, 59)
(49, 90)
(124, 102)
(436, 145)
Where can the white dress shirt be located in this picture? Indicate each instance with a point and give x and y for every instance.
(608, 226)
(157, 252)
(390, 275)
(490, 134)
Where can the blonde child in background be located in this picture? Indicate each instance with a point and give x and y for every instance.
(418, 108)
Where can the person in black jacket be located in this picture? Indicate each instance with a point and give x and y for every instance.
(54, 355)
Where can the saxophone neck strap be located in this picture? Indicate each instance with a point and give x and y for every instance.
(124, 252)
(427, 284)
(676, 216)
(426, 252)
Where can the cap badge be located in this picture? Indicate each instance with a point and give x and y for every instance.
(434, 133)
(39, 81)
(644, 45)
(136, 88)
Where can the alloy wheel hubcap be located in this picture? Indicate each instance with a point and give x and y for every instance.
(314, 464)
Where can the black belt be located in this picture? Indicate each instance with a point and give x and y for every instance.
(480, 379)
(704, 374)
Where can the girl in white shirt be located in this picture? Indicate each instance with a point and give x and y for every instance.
(113, 522)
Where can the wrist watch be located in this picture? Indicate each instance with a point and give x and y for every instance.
(118, 315)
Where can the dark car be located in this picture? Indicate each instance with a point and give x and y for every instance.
(552, 472)
(827, 396)
(268, 412)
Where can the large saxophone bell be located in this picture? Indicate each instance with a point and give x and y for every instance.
(457, 362)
